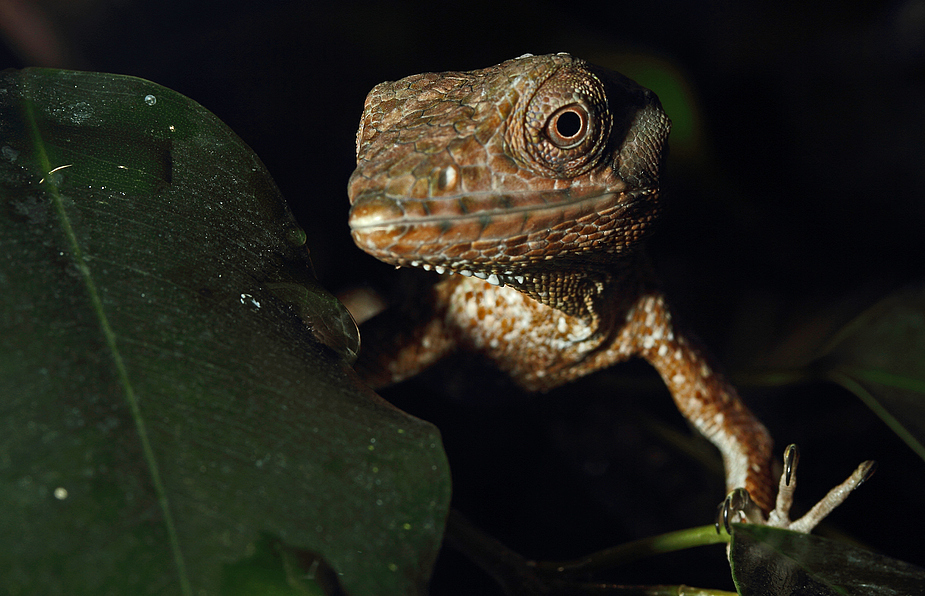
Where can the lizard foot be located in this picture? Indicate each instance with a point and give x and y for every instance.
(739, 507)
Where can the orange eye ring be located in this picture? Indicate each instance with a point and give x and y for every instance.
(568, 126)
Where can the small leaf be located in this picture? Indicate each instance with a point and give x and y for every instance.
(273, 570)
(773, 562)
(165, 405)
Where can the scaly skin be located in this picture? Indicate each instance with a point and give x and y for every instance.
(534, 181)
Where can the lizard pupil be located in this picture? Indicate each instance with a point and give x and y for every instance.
(568, 124)
(568, 127)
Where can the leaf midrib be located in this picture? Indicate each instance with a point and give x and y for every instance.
(110, 338)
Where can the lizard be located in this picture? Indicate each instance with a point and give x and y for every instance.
(529, 187)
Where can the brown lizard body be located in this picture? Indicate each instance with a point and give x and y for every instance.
(534, 181)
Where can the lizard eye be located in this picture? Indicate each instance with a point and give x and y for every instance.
(563, 127)
(568, 126)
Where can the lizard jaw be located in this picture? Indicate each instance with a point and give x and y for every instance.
(499, 244)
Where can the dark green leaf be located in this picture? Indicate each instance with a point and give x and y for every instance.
(772, 562)
(167, 401)
(880, 357)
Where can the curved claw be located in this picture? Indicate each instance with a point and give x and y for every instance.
(737, 506)
(791, 459)
(866, 470)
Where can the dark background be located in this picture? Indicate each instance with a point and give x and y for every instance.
(796, 199)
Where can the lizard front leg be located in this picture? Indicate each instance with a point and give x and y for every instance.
(399, 343)
(701, 392)
(711, 404)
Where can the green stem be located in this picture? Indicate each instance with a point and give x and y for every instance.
(631, 551)
(519, 577)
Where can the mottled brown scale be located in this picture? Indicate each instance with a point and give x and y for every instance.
(541, 177)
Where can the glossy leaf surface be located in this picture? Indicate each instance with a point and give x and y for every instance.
(771, 562)
(168, 400)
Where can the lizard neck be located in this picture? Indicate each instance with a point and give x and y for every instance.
(590, 292)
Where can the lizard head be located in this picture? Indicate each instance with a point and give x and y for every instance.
(507, 173)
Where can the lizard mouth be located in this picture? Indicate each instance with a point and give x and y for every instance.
(499, 231)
